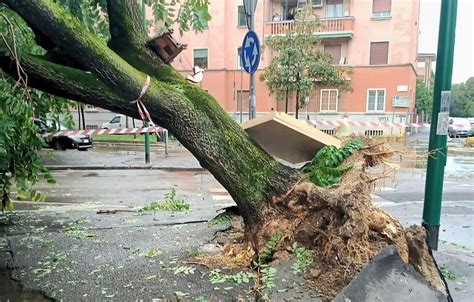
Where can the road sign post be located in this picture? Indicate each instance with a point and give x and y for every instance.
(439, 121)
(251, 53)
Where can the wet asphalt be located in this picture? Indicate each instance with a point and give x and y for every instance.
(65, 250)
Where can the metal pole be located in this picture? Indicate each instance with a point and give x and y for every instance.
(439, 121)
(147, 144)
(252, 101)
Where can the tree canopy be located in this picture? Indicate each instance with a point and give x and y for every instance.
(424, 99)
(463, 99)
(300, 63)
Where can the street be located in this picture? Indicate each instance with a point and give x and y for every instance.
(104, 179)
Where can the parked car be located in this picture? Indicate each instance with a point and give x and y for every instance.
(459, 127)
(471, 120)
(120, 121)
(79, 142)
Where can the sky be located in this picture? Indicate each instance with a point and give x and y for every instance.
(463, 67)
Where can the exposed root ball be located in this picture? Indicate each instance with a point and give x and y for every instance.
(342, 227)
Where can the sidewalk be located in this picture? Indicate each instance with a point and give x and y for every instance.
(126, 156)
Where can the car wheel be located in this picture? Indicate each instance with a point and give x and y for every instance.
(57, 145)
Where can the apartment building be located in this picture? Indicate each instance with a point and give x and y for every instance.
(376, 38)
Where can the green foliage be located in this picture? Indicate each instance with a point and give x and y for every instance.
(300, 65)
(266, 254)
(267, 276)
(186, 14)
(447, 273)
(216, 276)
(20, 164)
(171, 204)
(151, 253)
(184, 269)
(220, 219)
(463, 99)
(91, 13)
(304, 258)
(325, 170)
(424, 98)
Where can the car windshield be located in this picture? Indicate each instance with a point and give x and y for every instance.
(115, 120)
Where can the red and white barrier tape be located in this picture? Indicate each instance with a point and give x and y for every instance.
(372, 124)
(115, 131)
(144, 114)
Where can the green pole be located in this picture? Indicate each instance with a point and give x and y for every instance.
(146, 124)
(439, 121)
(147, 144)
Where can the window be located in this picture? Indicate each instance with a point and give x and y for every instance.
(334, 9)
(376, 100)
(329, 99)
(242, 20)
(335, 52)
(318, 3)
(239, 62)
(92, 127)
(381, 8)
(115, 120)
(201, 58)
(378, 53)
(243, 101)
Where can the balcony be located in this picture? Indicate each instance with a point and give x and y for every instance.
(330, 27)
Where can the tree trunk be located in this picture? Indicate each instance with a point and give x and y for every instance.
(341, 225)
(251, 176)
(286, 101)
(297, 106)
(79, 117)
(83, 118)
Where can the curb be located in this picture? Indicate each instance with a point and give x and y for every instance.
(169, 169)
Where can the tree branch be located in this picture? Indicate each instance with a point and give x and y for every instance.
(64, 81)
(250, 174)
(126, 23)
(130, 37)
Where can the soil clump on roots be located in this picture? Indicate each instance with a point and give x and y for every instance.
(340, 225)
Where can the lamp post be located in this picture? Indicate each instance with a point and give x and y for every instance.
(439, 121)
(250, 7)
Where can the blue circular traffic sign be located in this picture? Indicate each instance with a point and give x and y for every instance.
(250, 52)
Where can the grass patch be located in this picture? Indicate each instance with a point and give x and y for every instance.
(170, 204)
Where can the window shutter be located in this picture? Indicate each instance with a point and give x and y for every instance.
(380, 6)
(378, 53)
(335, 52)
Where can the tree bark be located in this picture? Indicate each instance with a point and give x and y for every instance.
(251, 176)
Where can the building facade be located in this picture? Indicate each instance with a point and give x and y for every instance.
(376, 38)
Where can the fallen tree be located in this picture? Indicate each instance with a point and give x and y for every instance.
(338, 223)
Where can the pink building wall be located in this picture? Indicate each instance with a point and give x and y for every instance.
(223, 37)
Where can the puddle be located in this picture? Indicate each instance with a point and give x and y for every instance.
(11, 290)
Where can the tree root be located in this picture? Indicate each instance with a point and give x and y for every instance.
(343, 228)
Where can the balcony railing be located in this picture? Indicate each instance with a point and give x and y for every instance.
(328, 25)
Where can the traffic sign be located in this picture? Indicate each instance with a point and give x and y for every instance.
(250, 55)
